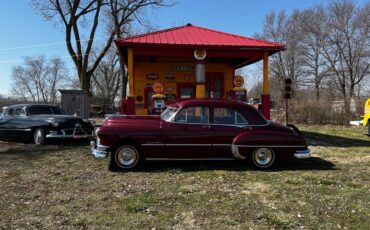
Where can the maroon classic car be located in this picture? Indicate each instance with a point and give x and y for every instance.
(199, 129)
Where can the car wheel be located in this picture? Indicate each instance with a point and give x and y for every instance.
(39, 137)
(125, 157)
(368, 127)
(263, 158)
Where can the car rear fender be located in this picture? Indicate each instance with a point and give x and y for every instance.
(244, 143)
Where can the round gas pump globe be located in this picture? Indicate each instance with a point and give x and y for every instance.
(238, 81)
(158, 87)
(200, 54)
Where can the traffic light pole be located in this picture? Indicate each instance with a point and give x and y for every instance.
(286, 112)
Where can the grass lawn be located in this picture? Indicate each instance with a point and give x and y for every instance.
(65, 187)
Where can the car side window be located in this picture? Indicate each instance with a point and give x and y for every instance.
(193, 115)
(11, 112)
(226, 116)
(40, 110)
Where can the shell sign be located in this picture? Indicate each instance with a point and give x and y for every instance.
(238, 81)
(158, 87)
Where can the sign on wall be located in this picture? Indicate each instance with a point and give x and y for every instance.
(182, 68)
(152, 76)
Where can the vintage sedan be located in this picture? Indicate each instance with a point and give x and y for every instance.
(38, 123)
(199, 129)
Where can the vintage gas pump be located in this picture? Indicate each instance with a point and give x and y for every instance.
(158, 100)
(238, 92)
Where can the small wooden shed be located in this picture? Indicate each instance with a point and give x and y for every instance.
(75, 102)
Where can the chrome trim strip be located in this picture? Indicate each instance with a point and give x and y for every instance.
(187, 145)
(272, 146)
(26, 130)
(190, 159)
(67, 136)
(227, 145)
(206, 145)
(153, 144)
(302, 154)
(235, 152)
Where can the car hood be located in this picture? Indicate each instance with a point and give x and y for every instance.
(58, 118)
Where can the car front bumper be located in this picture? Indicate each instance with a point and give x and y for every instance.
(63, 135)
(302, 154)
(98, 150)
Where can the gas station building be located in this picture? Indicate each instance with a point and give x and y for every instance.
(190, 62)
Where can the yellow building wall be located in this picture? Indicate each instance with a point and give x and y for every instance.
(182, 75)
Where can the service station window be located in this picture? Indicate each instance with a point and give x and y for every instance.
(195, 115)
(228, 117)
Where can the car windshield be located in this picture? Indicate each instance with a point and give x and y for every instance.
(169, 113)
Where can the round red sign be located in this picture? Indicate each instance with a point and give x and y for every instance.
(158, 87)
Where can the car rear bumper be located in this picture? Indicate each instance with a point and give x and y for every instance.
(98, 150)
(302, 154)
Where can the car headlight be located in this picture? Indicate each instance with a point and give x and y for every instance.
(93, 123)
(55, 124)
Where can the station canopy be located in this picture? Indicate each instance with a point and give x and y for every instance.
(183, 40)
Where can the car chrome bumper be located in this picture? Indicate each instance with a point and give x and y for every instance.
(302, 154)
(98, 150)
(55, 135)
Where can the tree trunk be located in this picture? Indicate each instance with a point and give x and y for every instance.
(85, 79)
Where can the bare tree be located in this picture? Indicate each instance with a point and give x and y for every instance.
(106, 80)
(347, 46)
(316, 67)
(38, 79)
(85, 16)
(284, 29)
(122, 16)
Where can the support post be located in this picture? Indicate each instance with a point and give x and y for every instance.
(266, 97)
(130, 70)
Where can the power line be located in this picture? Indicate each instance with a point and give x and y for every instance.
(46, 44)
(63, 57)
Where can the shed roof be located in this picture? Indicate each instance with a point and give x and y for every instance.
(189, 35)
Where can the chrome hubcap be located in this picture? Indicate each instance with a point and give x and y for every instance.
(127, 156)
(263, 156)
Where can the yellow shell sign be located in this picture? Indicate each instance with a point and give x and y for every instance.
(238, 81)
(158, 87)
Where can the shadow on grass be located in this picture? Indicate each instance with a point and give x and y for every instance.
(321, 139)
(313, 163)
(32, 151)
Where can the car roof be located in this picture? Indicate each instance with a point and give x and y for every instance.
(210, 102)
(29, 105)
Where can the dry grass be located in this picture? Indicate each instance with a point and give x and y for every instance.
(64, 187)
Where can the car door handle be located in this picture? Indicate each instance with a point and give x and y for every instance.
(206, 126)
(248, 127)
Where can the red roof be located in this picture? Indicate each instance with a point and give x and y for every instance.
(189, 35)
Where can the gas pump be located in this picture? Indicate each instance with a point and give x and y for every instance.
(238, 92)
(158, 100)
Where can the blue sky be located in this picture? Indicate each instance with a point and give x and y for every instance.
(23, 33)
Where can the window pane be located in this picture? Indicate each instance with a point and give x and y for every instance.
(186, 92)
(198, 115)
(228, 117)
(57, 110)
(224, 116)
(39, 110)
(240, 119)
(181, 117)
